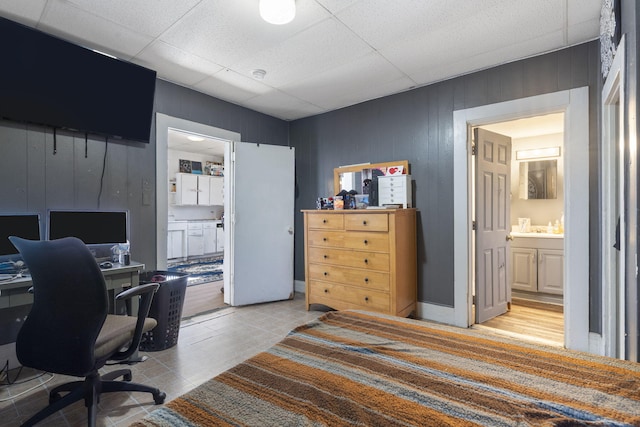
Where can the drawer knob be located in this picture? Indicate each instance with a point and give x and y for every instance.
(366, 299)
(366, 261)
(326, 291)
(364, 222)
(324, 221)
(325, 273)
(366, 242)
(325, 256)
(324, 239)
(366, 280)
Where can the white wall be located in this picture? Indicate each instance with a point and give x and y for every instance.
(190, 212)
(541, 211)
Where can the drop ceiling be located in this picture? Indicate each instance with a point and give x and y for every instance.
(334, 54)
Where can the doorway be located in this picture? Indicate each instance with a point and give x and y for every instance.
(529, 303)
(171, 133)
(575, 104)
(195, 229)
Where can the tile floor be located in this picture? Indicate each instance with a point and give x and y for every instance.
(207, 345)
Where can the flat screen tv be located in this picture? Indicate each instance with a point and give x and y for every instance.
(49, 81)
(92, 227)
(25, 225)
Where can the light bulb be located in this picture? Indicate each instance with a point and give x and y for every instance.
(278, 12)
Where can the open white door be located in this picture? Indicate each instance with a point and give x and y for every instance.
(493, 168)
(259, 218)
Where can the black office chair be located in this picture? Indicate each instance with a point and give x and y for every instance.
(68, 330)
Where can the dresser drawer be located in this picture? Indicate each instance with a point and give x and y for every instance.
(378, 242)
(326, 221)
(349, 258)
(367, 299)
(366, 222)
(351, 276)
(391, 198)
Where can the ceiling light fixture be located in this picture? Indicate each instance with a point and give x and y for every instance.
(278, 12)
(538, 153)
(258, 74)
(195, 138)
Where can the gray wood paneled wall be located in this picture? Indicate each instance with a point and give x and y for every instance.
(417, 125)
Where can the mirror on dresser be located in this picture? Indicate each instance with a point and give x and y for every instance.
(354, 175)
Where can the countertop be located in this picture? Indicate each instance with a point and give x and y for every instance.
(538, 235)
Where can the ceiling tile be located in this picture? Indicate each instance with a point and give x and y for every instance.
(225, 32)
(335, 6)
(443, 69)
(86, 29)
(350, 82)
(283, 106)
(158, 14)
(175, 65)
(313, 51)
(231, 86)
(25, 12)
(382, 23)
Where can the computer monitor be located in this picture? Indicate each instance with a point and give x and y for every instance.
(95, 228)
(25, 225)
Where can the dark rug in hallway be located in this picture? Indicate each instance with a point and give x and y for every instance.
(202, 270)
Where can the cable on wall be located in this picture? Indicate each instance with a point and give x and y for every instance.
(86, 144)
(104, 166)
(55, 142)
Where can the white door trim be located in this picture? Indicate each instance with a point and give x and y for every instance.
(575, 104)
(612, 205)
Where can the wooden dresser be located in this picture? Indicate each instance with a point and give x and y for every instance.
(361, 259)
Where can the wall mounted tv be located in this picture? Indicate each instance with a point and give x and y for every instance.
(49, 81)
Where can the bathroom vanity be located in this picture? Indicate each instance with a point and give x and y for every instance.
(537, 262)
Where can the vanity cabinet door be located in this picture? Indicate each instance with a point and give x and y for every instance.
(550, 271)
(524, 269)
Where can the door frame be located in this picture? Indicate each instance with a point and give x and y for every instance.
(612, 203)
(575, 104)
(163, 124)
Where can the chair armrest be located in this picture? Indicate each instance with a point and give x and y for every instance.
(145, 292)
(138, 290)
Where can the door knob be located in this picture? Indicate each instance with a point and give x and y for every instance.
(509, 237)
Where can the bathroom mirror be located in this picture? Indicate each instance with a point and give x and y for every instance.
(354, 175)
(539, 179)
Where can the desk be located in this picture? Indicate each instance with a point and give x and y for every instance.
(120, 277)
(15, 300)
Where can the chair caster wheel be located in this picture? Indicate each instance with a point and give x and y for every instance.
(159, 397)
(126, 377)
(54, 397)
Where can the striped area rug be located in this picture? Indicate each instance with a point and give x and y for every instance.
(352, 368)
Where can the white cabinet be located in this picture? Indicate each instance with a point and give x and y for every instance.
(395, 190)
(195, 239)
(524, 269)
(537, 264)
(550, 271)
(216, 192)
(176, 240)
(209, 236)
(192, 189)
